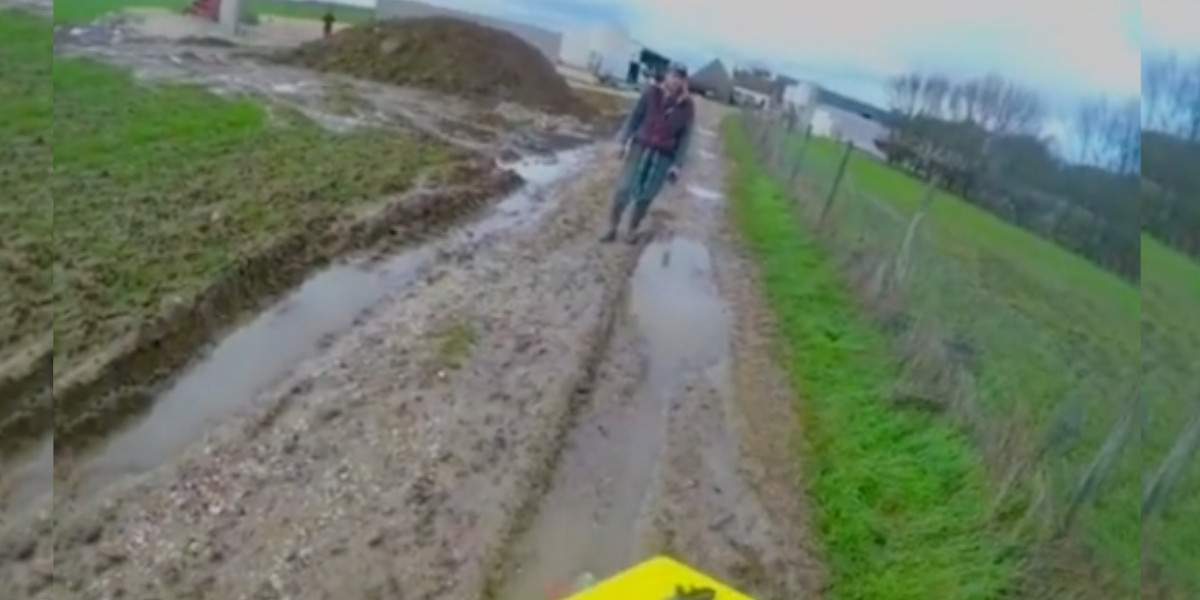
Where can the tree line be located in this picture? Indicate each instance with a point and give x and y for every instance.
(990, 130)
(1170, 200)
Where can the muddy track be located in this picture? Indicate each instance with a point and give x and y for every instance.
(687, 444)
(381, 447)
(120, 381)
(26, 405)
(428, 451)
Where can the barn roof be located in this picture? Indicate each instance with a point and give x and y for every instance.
(712, 77)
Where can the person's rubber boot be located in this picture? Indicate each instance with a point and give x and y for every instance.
(639, 213)
(633, 237)
(609, 237)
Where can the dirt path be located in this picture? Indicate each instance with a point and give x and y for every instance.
(686, 444)
(456, 433)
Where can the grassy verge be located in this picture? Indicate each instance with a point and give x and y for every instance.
(159, 190)
(86, 11)
(27, 211)
(1053, 346)
(900, 497)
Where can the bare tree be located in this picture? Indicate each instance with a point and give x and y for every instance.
(1122, 134)
(1159, 73)
(991, 98)
(956, 103)
(933, 95)
(970, 92)
(1090, 118)
(1188, 100)
(904, 93)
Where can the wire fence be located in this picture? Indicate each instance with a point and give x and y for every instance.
(1042, 378)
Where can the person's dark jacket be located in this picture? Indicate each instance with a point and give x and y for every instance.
(662, 123)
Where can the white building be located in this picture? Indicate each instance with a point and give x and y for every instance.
(839, 117)
(604, 51)
(800, 95)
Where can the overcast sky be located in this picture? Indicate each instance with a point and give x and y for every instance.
(1064, 48)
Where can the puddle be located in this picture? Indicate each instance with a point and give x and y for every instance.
(704, 193)
(262, 351)
(588, 522)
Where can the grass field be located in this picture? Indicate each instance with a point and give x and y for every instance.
(160, 189)
(85, 11)
(1170, 345)
(900, 496)
(27, 212)
(1053, 345)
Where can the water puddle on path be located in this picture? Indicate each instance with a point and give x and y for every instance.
(588, 523)
(259, 353)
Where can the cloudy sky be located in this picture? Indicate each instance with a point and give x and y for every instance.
(1065, 48)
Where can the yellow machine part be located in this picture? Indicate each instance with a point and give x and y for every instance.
(660, 578)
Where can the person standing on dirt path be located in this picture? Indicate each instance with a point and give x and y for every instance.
(653, 143)
(328, 19)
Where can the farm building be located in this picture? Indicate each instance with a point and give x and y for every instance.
(548, 42)
(843, 118)
(713, 81)
(759, 88)
(605, 51)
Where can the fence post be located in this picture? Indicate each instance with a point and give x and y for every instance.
(900, 267)
(798, 164)
(837, 182)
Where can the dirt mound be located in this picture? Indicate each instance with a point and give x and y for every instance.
(445, 55)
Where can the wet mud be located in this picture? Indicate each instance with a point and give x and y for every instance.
(666, 455)
(525, 410)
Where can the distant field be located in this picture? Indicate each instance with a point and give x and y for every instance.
(1052, 342)
(85, 11)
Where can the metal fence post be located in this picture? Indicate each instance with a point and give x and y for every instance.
(901, 265)
(837, 182)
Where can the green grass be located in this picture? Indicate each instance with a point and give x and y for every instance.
(900, 496)
(86, 11)
(159, 190)
(1056, 339)
(27, 210)
(1170, 345)
(75, 12)
(455, 343)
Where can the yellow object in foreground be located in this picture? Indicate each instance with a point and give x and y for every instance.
(660, 578)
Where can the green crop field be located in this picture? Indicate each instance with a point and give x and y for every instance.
(158, 190)
(900, 497)
(85, 11)
(27, 211)
(1053, 345)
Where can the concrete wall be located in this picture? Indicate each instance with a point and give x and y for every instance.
(548, 42)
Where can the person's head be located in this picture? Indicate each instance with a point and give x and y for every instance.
(676, 80)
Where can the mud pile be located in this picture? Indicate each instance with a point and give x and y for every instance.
(445, 55)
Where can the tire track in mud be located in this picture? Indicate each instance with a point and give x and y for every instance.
(686, 444)
(378, 467)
